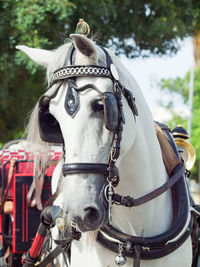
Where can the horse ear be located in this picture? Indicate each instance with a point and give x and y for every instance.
(85, 47)
(40, 56)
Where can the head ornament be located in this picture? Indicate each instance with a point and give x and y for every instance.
(83, 28)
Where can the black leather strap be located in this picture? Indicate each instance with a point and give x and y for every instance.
(45, 99)
(51, 256)
(131, 101)
(137, 256)
(131, 202)
(108, 58)
(110, 172)
(73, 168)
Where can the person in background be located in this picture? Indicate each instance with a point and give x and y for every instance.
(185, 148)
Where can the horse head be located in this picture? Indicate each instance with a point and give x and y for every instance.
(84, 110)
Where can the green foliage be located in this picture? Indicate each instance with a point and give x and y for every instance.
(31, 23)
(138, 27)
(181, 86)
(131, 27)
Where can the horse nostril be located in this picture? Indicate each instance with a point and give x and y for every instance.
(91, 215)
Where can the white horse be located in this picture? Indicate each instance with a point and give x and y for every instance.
(88, 140)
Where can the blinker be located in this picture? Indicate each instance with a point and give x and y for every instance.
(49, 127)
(111, 111)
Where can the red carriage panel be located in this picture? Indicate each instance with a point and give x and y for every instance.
(25, 218)
(18, 228)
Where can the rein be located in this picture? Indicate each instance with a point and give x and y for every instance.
(129, 202)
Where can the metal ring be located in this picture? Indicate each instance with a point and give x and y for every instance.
(105, 192)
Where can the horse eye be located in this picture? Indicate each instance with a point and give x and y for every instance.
(97, 106)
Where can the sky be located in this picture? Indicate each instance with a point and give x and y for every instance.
(147, 72)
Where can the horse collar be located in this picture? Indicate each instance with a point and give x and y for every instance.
(148, 248)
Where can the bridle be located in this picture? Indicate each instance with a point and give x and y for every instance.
(113, 113)
(145, 248)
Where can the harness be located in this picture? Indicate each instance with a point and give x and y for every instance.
(145, 248)
(148, 248)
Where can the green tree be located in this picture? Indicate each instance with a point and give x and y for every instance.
(134, 28)
(21, 81)
(181, 86)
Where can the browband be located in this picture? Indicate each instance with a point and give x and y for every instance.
(80, 71)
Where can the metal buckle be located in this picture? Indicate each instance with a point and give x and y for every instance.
(108, 191)
(108, 194)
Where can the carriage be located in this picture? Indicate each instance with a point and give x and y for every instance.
(120, 190)
(20, 206)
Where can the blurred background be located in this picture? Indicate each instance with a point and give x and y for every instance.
(157, 40)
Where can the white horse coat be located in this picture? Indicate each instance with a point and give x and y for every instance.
(87, 140)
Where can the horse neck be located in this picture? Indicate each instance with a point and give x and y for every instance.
(142, 171)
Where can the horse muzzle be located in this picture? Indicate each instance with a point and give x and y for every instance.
(93, 213)
(92, 220)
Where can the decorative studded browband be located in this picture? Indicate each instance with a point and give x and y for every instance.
(67, 72)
